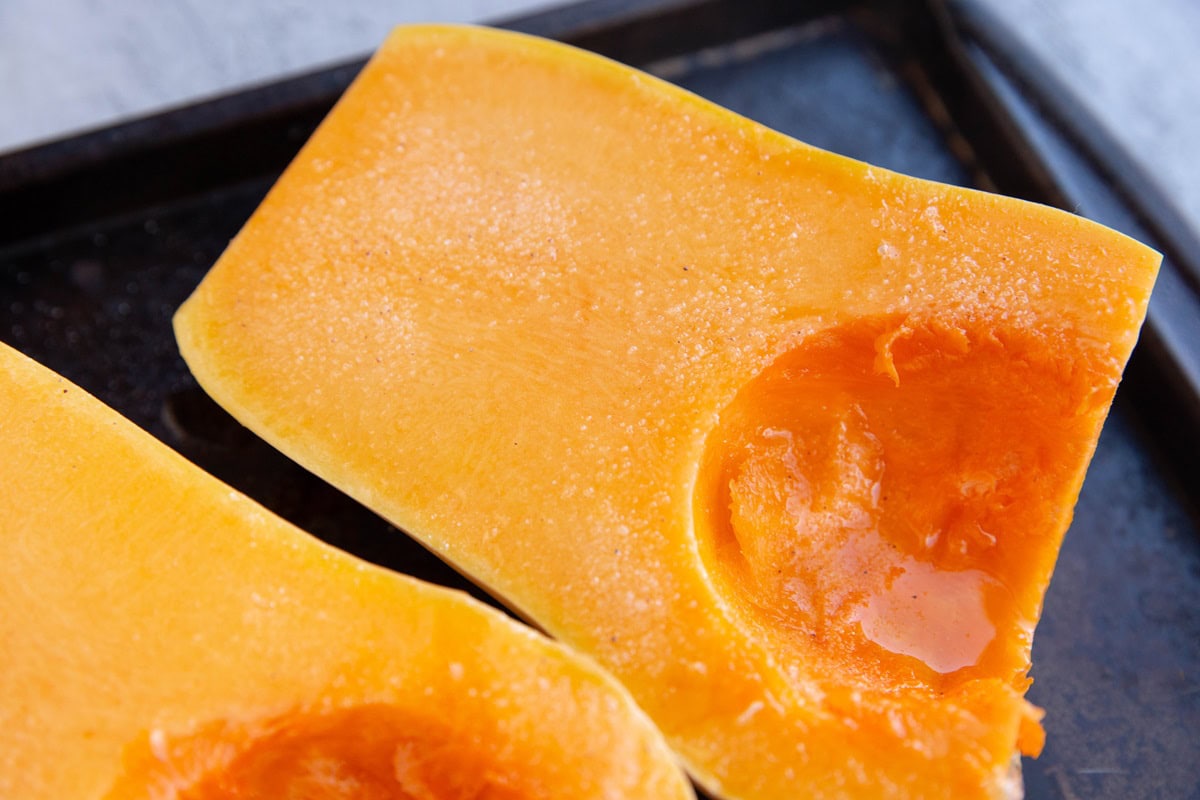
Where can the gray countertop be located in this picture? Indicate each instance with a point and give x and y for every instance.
(69, 65)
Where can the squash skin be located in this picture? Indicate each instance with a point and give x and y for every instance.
(156, 624)
(507, 295)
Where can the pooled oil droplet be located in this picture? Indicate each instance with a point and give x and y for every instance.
(937, 616)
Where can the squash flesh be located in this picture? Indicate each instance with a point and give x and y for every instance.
(509, 296)
(164, 636)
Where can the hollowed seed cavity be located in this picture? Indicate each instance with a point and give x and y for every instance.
(879, 497)
(367, 752)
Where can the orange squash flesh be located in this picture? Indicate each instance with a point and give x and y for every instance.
(165, 637)
(786, 441)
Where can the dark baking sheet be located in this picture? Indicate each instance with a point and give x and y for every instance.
(102, 236)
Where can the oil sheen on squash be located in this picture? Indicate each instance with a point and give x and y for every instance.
(785, 441)
(165, 638)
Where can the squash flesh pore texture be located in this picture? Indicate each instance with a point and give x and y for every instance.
(166, 637)
(579, 331)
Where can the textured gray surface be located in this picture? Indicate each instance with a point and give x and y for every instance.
(67, 65)
(1136, 66)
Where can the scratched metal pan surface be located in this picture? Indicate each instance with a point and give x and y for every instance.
(104, 235)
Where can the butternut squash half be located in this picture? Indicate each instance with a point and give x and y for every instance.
(161, 636)
(786, 441)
